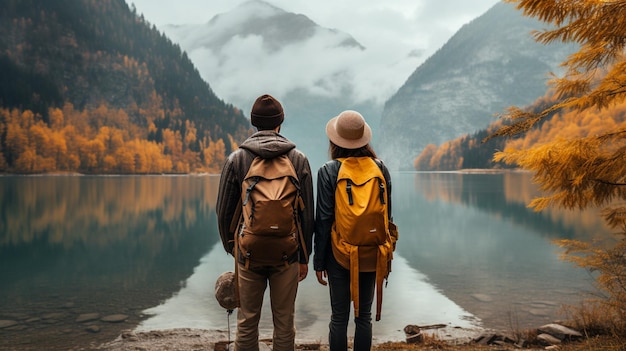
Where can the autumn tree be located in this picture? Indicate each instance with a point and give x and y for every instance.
(583, 170)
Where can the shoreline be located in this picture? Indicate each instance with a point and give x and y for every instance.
(183, 339)
(548, 336)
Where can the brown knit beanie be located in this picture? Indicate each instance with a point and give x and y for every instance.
(267, 113)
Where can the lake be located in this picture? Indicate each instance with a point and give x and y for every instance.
(75, 249)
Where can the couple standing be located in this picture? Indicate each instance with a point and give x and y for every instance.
(349, 137)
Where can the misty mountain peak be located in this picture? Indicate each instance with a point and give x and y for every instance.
(260, 23)
(247, 11)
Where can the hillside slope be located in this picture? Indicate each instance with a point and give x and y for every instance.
(100, 53)
(489, 64)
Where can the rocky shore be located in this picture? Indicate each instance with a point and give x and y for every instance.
(173, 339)
(549, 337)
(116, 332)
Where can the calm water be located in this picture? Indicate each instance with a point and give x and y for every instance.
(470, 255)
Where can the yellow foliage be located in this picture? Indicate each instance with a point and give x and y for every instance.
(578, 157)
(101, 141)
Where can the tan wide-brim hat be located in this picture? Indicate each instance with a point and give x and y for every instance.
(349, 130)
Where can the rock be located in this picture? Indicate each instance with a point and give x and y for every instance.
(54, 315)
(262, 346)
(93, 329)
(413, 334)
(482, 297)
(308, 344)
(548, 340)
(87, 317)
(7, 323)
(522, 344)
(412, 329)
(485, 339)
(17, 316)
(114, 318)
(560, 332)
(414, 338)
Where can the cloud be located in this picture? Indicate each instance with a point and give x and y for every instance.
(398, 37)
(320, 65)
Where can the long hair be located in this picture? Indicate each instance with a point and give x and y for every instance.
(339, 152)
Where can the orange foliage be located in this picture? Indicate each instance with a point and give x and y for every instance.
(102, 140)
(573, 125)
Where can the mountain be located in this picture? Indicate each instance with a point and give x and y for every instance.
(101, 55)
(489, 64)
(470, 152)
(257, 48)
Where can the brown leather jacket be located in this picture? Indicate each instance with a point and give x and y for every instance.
(267, 144)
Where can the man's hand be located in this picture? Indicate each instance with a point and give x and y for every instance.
(322, 277)
(304, 270)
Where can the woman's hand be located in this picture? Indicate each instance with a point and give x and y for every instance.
(322, 277)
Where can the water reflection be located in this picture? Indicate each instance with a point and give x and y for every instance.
(109, 245)
(474, 237)
(408, 299)
(469, 251)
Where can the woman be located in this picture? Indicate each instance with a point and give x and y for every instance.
(349, 137)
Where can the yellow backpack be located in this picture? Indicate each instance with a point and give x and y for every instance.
(361, 237)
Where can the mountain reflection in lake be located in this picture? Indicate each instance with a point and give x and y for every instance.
(470, 253)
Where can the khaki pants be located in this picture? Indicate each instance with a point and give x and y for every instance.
(283, 282)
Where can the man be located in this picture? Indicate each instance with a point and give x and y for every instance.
(267, 116)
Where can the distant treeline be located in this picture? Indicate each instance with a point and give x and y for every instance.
(103, 141)
(470, 151)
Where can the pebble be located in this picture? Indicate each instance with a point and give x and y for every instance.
(114, 318)
(6, 323)
(87, 317)
(548, 340)
(54, 315)
(93, 329)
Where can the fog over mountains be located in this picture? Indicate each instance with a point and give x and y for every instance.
(317, 72)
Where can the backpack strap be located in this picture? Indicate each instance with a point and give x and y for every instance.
(349, 191)
(249, 189)
(300, 207)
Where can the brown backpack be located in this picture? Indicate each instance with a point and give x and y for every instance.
(271, 203)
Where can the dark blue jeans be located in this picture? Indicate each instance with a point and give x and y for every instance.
(339, 286)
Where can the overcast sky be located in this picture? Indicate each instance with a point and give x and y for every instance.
(398, 34)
